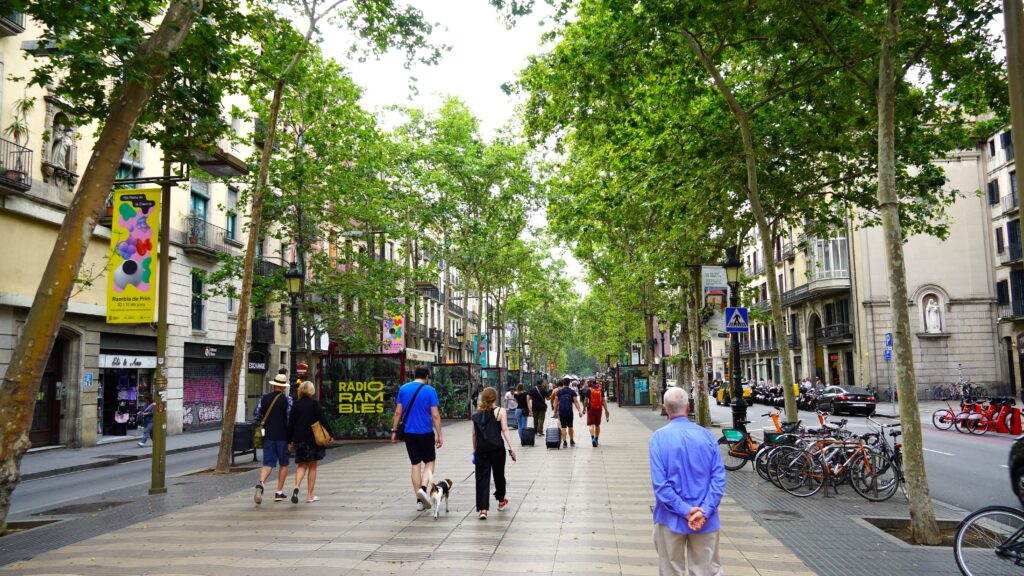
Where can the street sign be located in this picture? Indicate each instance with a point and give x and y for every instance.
(736, 320)
(888, 340)
(888, 354)
(778, 361)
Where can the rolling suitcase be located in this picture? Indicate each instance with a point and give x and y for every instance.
(527, 436)
(553, 437)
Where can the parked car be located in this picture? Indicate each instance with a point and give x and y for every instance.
(1017, 468)
(723, 396)
(836, 399)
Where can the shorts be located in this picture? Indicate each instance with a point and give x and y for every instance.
(420, 447)
(594, 417)
(308, 452)
(565, 418)
(275, 453)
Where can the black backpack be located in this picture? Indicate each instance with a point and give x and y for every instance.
(488, 432)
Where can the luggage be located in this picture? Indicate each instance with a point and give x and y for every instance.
(527, 436)
(553, 437)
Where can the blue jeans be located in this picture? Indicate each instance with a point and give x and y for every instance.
(521, 416)
(147, 432)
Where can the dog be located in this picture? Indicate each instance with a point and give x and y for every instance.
(440, 491)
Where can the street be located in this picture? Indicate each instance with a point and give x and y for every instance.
(968, 472)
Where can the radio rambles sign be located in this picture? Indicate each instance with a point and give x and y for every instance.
(361, 397)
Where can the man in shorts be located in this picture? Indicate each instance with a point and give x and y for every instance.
(273, 410)
(417, 401)
(563, 400)
(593, 401)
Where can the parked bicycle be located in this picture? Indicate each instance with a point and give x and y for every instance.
(961, 389)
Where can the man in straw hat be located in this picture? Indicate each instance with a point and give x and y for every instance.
(273, 411)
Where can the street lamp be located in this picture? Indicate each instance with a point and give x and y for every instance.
(739, 405)
(294, 280)
(638, 348)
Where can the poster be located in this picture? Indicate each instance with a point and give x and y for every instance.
(513, 359)
(132, 269)
(480, 349)
(394, 328)
(715, 288)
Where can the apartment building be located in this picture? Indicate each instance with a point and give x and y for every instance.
(99, 372)
(835, 294)
(1004, 204)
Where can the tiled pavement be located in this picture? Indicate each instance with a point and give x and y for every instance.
(575, 511)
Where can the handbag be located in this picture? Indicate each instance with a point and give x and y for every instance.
(320, 434)
(400, 431)
(257, 433)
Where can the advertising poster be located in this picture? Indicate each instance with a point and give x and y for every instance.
(513, 359)
(480, 349)
(132, 269)
(715, 288)
(394, 328)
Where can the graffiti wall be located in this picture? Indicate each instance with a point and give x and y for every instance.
(358, 393)
(203, 395)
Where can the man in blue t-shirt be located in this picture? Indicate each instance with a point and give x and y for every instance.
(563, 401)
(417, 407)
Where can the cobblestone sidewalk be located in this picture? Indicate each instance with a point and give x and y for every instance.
(573, 511)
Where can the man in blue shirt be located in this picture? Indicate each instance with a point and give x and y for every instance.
(417, 401)
(688, 479)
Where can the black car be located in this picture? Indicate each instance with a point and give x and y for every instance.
(1017, 468)
(836, 399)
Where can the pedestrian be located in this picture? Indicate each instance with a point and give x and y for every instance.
(563, 400)
(522, 400)
(416, 408)
(688, 480)
(490, 425)
(539, 405)
(272, 413)
(510, 401)
(594, 400)
(305, 412)
(146, 417)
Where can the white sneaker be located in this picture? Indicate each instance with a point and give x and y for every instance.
(419, 506)
(424, 498)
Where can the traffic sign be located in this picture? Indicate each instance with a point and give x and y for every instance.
(888, 354)
(736, 320)
(888, 340)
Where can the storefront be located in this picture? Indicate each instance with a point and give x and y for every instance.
(127, 366)
(203, 382)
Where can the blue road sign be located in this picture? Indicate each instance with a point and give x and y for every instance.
(888, 354)
(888, 340)
(736, 320)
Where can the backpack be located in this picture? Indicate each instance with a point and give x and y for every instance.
(595, 398)
(565, 400)
(488, 432)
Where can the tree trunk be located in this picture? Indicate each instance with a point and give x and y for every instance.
(763, 228)
(700, 389)
(21, 382)
(242, 329)
(922, 514)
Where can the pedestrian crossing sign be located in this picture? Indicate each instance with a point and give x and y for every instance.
(736, 320)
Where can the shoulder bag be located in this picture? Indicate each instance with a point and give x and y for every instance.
(400, 431)
(257, 433)
(320, 433)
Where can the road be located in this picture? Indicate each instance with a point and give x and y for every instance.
(968, 472)
(34, 496)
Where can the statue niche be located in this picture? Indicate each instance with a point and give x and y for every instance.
(932, 315)
(60, 149)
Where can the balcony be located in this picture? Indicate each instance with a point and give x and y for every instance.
(266, 269)
(262, 331)
(835, 334)
(1012, 254)
(746, 348)
(794, 341)
(429, 292)
(434, 335)
(453, 342)
(204, 239)
(768, 345)
(15, 166)
(1013, 312)
(820, 283)
(755, 270)
(11, 23)
(456, 309)
(788, 250)
(1010, 203)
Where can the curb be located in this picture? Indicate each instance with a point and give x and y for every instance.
(109, 462)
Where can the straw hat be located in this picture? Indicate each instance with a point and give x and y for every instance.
(280, 380)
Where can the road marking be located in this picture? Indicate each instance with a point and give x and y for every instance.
(1004, 465)
(937, 452)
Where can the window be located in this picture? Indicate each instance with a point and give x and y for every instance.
(992, 148)
(993, 192)
(200, 198)
(231, 305)
(131, 163)
(231, 221)
(1000, 245)
(828, 259)
(236, 128)
(198, 302)
(843, 311)
(1013, 238)
(1013, 183)
(1003, 292)
(1006, 139)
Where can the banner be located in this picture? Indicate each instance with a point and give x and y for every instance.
(513, 359)
(715, 288)
(132, 269)
(480, 349)
(393, 338)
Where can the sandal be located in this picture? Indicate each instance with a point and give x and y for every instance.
(314, 499)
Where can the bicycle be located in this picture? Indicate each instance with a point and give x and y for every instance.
(990, 542)
(893, 454)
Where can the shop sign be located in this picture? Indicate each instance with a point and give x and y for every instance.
(361, 397)
(132, 271)
(210, 352)
(122, 361)
(257, 362)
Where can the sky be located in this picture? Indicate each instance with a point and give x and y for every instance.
(484, 55)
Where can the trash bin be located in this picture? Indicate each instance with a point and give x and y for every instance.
(241, 441)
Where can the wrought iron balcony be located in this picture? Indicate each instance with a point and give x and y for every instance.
(1012, 311)
(202, 238)
(453, 342)
(1011, 254)
(788, 250)
(434, 335)
(1010, 203)
(835, 333)
(794, 340)
(430, 292)
(15, 167)
(262, 331)
(455, 309)
(11, 23)
(746, 348)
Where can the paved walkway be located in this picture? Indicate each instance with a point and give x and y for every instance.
(573, 511)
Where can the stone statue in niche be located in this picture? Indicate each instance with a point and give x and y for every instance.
(932, 316)
(60, 148)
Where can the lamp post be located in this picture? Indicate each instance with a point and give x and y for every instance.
(739, 405)
(294, 279)
(663, 327)
(637, 348)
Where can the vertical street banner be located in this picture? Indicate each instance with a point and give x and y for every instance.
(132, 268)
(513, 359)
(480, 349)
(393, 337)
(715, 289)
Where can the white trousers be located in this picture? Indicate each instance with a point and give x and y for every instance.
(686, 554)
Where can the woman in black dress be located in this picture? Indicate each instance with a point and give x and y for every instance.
(305, 412)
